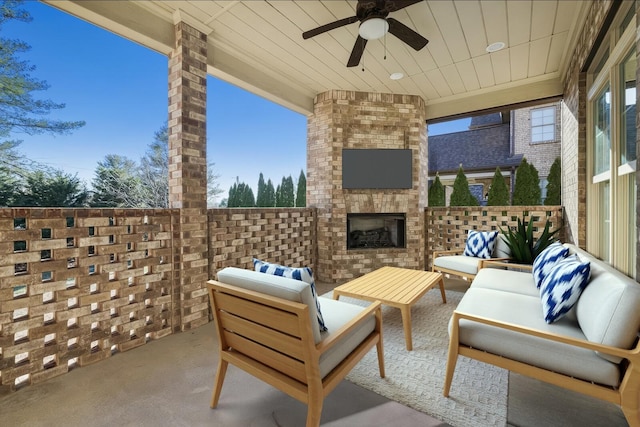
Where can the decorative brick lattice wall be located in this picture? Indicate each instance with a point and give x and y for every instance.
(78, 285)
(446, 227)
(345, 119)
(285, 236)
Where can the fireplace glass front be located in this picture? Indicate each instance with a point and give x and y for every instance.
(376, 230)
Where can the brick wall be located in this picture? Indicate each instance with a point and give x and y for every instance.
(574, 132)
(79, 285)
(285, 236)
(345, 119)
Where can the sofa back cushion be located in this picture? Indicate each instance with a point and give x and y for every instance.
(501, 250)
(276, 286)
(608, 310)
(300, 273)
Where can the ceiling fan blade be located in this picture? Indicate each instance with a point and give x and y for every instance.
(356, 53)
(392, 6)
(406, 34)
(328, 27)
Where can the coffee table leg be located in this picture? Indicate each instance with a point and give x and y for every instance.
(406, 325)
(444, 298)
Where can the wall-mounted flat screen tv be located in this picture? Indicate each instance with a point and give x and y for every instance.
(376, 169)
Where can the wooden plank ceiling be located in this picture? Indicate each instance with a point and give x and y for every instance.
(258, 45)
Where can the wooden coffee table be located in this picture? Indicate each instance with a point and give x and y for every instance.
(396, 287)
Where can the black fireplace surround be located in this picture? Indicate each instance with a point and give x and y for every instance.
(376, 230)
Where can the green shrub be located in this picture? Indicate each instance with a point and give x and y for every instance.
(526, 191)
(554, 193)
(436, 193)
(499, 192)
(461, 195)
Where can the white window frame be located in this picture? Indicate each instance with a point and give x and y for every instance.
(611, 233)
(544, 120)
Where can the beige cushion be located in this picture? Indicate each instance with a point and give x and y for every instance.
(526, 311)
(464, 264)
(502, 249)
(609, 308)
(336, 315)
(506, 280)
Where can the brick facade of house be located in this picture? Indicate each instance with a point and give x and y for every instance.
(541, 155)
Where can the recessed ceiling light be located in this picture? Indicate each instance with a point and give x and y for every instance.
(494, 47)
(396, 76)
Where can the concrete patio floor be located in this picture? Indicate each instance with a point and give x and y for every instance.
(169, 383)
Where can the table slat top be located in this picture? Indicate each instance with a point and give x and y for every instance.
(390, 285)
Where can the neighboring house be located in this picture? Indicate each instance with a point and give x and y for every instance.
(497, 140)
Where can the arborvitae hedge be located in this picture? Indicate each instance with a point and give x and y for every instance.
(436, 193)
(461, 195)
(499, 192)
(527, 188)
(554, 193)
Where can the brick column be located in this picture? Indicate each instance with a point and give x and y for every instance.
(188, 176)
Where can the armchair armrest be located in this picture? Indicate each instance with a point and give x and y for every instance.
(633, 354)
(333, 339)
(448, 252)
(502, 263)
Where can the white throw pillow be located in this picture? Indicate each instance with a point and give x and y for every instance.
(562, 287)
(546, 260)
(480, 243)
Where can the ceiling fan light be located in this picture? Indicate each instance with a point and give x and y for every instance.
(373, 28)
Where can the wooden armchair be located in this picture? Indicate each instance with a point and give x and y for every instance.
(275, 339)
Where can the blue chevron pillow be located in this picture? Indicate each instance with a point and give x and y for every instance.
(304, 274)
(546, 260)
(480, 243)
(562, 287)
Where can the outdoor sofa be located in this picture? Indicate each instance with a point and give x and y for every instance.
(592, 348)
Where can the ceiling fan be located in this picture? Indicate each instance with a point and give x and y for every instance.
(374, 24)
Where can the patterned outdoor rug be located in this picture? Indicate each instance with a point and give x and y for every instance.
(415, 378)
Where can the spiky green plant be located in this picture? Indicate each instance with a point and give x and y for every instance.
(524, 247)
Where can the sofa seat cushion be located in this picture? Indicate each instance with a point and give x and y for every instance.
(518, 282)
(525, 310)
(337, 314)
(462, 263)
(276, 286)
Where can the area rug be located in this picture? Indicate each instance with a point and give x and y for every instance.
(478, 395)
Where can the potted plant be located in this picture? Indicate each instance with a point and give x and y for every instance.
(524, 247)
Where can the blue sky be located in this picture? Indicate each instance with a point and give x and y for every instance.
(120, 89)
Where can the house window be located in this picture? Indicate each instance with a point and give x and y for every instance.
(543, 125)
(611, 151)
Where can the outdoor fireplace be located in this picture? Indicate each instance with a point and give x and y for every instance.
(374, 230)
